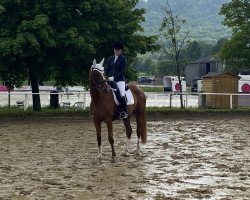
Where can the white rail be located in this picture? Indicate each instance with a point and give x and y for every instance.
(153, 98)
(218, 94)
(17, 97)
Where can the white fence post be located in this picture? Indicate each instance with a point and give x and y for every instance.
(186, 99)
(25, 102)
(84, 100)
(231, 101)
(170, 100)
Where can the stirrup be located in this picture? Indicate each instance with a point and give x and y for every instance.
(123, 115)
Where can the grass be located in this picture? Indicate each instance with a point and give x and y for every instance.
(155, 88)
(15, 112)
(195, 110)
(6, 112)
(152, 89)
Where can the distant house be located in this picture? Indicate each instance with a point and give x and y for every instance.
(202, 67)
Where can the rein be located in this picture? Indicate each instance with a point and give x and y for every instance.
(98, 85)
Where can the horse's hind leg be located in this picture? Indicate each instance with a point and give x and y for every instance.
(99, 137)
(127, 125)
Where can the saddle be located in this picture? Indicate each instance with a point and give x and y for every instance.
(117, 98)
(115, 89)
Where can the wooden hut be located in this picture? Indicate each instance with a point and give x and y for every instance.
(219, 82)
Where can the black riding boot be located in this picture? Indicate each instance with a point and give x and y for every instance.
(124, 109)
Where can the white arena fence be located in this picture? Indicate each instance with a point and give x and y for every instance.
(243, 99)
(154, 99)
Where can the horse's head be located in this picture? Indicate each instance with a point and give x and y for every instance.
(96, 76)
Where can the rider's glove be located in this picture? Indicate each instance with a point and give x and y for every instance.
(111, 78)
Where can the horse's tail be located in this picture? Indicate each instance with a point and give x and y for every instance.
(143, 126)
(142, 118)
(140, 112)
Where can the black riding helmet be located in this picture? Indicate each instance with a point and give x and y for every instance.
(118, 45)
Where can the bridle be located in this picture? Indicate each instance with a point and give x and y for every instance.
(98, 84)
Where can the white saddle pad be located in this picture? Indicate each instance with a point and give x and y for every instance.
(129, 95)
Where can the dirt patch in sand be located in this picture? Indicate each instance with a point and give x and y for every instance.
(183, 159)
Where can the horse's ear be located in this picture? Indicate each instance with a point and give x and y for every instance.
(94, 63)
(101, 63)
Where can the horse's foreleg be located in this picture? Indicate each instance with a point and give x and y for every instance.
(110, 137)
(127, 125)
(99, 137)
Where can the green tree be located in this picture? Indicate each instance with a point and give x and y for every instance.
(165, 67)
(174, 40)
(43, 40)
(58, 40)
(148, 63)
(138, 64)
(219, 44)
(216, 50)
(236, 51)
(193, 51)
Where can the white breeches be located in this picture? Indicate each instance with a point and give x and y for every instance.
(121, 86)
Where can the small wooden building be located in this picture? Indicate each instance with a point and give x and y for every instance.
(219, 82)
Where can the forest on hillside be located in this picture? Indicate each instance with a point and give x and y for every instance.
(202, 18)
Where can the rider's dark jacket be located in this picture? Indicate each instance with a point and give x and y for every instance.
(116, 69)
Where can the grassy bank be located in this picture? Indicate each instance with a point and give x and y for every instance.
(46, 112)
(152, 89)
(156, 88)
(15, 112)
(195, 112)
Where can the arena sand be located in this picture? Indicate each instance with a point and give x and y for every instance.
(199, 158)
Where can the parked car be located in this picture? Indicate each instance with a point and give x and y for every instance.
(146, 79)
(196, 85)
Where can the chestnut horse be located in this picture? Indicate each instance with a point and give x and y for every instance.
(103, 107)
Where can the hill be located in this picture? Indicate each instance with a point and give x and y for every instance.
(201, 16)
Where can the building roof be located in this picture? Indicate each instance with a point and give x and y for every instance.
(214, 74)
(205, 60)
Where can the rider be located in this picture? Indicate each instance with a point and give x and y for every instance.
(116, 67)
